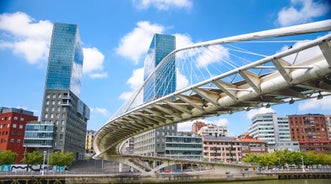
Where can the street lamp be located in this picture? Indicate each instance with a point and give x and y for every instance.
(43, 169)
(303, 164)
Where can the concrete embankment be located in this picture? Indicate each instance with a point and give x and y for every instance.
(160, 178)
(125, 178)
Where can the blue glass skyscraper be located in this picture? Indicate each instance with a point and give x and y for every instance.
(163, 82)
(62, 106)
(65, 62)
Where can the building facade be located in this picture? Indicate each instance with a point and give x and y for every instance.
(197, 125)
(158, 83)
(311, 131)
(328, 123)
(153, 143)
(12, 129)
(183, 145)
(252, 145)
(39, 136)
(213, 130)
(162, 81)
(61, 103)
(90, 134)
(274, 131)
(221, 149)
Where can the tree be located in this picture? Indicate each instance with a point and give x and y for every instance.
(7, 157)
(268, 159)
(61, 159)
(33, 158)
(251, 158)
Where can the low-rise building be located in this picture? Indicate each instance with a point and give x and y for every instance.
(89, 142)
(249, 144)
(183, 145)
(12, 129)
(213, 130)
(39, 136)
(221, 149)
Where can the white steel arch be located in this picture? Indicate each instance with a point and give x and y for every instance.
(310, 78)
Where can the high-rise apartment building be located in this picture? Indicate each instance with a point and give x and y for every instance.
(61, 103)
(162, 82)
(311, 131)
(328, 123)
(273, 130)
(12, 129)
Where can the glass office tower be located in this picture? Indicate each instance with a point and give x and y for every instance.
(62, 106)
(163, 82)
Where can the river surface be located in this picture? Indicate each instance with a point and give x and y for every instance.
(293, 181)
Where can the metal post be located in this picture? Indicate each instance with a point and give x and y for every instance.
(303, 164)
(43, 169)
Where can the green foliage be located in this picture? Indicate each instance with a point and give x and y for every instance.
(61, 159)
(251, 158)
(7, 157)
(33, 158)
(283, 157)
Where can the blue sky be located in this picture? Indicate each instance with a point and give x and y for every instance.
(116, 35)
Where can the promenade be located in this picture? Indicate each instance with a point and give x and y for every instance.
(69, 177)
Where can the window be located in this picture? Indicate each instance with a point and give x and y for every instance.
(14, 125)
(22, 119)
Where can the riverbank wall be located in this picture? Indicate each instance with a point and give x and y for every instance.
(161, 178)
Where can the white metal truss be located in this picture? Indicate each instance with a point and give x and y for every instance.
(287, 83)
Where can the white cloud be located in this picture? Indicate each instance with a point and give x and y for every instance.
(135, 81)
(204, 56)
(93, 63)
(135, 44)
(250, 114)
(101, 111)
(221, 122)
(301, 11)
(163, 4)
(183, 40)
(25, 37)
(185, 126)
(99, 75)
(324, 104)
(181, 80)
(31, 40)
(211, 55)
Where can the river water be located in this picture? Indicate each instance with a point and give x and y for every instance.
(293, 181)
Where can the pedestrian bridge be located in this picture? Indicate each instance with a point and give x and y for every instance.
(228, 75)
